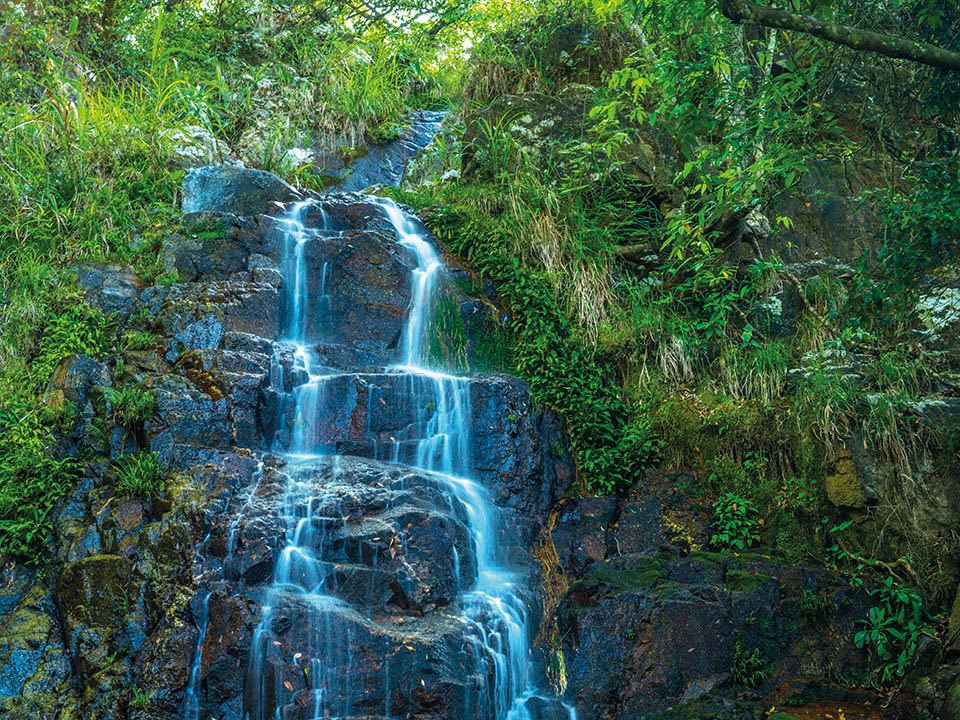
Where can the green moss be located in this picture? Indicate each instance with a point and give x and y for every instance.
(208, 231)
(644, 574)
(744, 582)
(349, 154)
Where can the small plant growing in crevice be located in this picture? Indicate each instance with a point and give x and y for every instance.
(735, 526)
(749, 667)
(138, 340)
(140, 699)
(130, 407)
(813, 605)
(139, 474)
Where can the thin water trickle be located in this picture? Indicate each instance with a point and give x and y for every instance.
(191, 701)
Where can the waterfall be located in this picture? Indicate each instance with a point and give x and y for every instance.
(491, 608)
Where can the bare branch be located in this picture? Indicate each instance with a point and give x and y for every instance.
(740, 11)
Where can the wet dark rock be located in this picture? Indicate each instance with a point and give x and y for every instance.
(386, 534)
(580, 532)
(196, 316)
(73, 389)
(519, 452)
(367, 291)
(425, 671)
(239, 191)
(219, 246)
(380, 163)
(102, 610)
(638, 530)
(645, 634)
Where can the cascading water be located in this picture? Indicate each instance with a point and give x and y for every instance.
(309, 509)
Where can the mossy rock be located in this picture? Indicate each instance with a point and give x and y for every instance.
(639, 574)
(844, 486)
(93, 591)
(744, 582)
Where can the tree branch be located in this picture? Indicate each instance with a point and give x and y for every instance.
(740, 11)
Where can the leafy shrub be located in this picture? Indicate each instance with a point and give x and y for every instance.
(612, 445)
(30, 482)
(139, 474)
(892, 630)
(734, 524)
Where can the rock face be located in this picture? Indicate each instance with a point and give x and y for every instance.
(654, 625)
(157, 605)
(645, 634)
(194, 146)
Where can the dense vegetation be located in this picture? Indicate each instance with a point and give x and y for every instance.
(651, 303)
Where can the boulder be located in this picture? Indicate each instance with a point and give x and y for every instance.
(217, 246)
(376, 163)
(539, 124)
(259, 147)
(829, 220)
(239, 191)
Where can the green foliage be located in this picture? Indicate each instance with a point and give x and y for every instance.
(892, 630)
(139, 474)
(80, 330)
(31, 481)
(611, 446)
(31, 478)
(130, 406)
(139, 700)
(922, 238)
(814, 606)
(734, 523)
(139, 340)
(749, 667)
